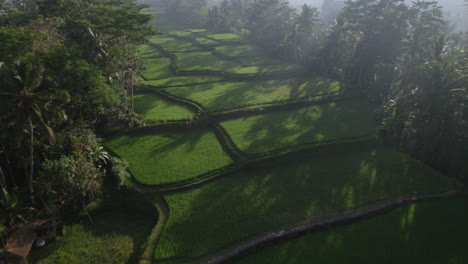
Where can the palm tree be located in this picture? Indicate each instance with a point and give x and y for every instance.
(30, 103)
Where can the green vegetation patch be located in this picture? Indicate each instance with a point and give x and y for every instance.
(206, 41)
(258, 61)
(173, 45)
(183, 80)
(121, 223)
(227, 95)
(421, 233)
(236, 207)
(202, 61)
(198, 30)
(240, 51)
(334, 121)
(146, 51)
(154, 107)
(157, 68)
(227, 38)
(205, 61)
(169, 157)
(181, 33)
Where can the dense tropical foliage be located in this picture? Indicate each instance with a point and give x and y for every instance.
(64, 67)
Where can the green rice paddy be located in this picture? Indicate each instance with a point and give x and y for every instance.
(226, 38)
(227, 95)
(153, 107)
(172, 44)
(329, 122)
(183, 81)
(262, 198)
(157, 68)
(169, 157)
(238, 206)
(206, 41)
(146, 51)
(239, 50)
(427, 232)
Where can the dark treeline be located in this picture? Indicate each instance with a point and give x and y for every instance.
(400, 55)
(66, 67)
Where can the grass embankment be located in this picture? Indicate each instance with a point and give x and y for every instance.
(238, 206)
(421, 233)
(121, 223)
(334, 121)
(173, 45)
(206, 41)
(157, 68)
(206, 61)
(153, 107)
(226, 37)
(228, 95)
(183, 81)
(168, 157)
(146, 51)
(239, 50)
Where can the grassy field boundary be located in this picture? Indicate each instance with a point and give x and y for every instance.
(238, 250)
(147, 257)
(262, 160)
(234, 43)
(175, 99)
(227, 143)
(225, 74)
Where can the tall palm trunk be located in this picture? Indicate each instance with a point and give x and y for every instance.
(131, 86)
(3, 186)
(31, 153)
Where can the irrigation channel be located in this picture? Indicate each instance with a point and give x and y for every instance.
(262, 163)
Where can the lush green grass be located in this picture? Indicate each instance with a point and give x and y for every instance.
(240, 51)
(227, 37)
(121, 224)
(206, 41)
(183, 80)
(202, 61)
(205, 61)
(241, 205)
(153, 107)
(334, 121)
(173, 45)
(168, 157)
(258, 61)
(421, 233)
(157, 68)
(146, 51)
(234, 94)
(198, 30)
(181, 33)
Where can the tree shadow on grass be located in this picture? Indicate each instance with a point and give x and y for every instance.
(239, 206)
(233, 94)
(425, 232)
(121, 223)
(270, 131)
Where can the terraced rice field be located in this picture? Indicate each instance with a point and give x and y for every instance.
(335, 121)
(183, 81)
(225, 38)
(239, 50)
(173, 45)
(260, 197)
(228, 95)
(246, 203)
(153, 107)
(169, 157)
(157, 68)
(146, 51)
(427, 232)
